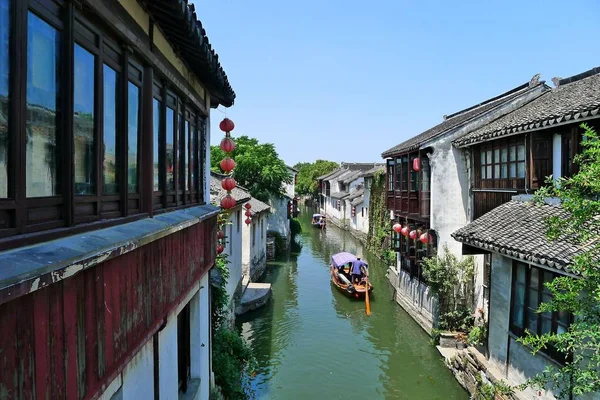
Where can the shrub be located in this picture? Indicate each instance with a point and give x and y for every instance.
(231, 356)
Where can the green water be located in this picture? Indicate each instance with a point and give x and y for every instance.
(313, 342)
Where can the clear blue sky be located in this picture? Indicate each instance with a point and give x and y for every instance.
(346, 80)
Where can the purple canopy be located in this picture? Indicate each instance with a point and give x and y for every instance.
(340, 259)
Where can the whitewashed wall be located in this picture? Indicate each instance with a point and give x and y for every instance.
(233, 248)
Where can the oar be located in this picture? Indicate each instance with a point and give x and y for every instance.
(367, 303)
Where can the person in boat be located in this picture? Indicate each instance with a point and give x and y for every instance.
(357, 270)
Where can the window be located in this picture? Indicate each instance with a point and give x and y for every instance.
(405, 172)
(253, 234)
(156, 144)
(183, 348)
(133, 118)
(170, 149)
(528, 292)
(425, 174)
(4, 99)
(262, 230)
(84, 161)
(110, 161)
(43, 100)
(398, 173)
(414, 176)
(239, 220)
(502, 162)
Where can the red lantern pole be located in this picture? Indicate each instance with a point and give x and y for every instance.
(227, 165)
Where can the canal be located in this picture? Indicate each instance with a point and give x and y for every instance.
(313, 342)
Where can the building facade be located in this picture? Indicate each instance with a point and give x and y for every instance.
(427, 183)
(511, 158)
(282, 208)
(254, 241)
(106, 234)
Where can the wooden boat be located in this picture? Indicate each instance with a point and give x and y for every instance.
(340, 269)
(318, 221)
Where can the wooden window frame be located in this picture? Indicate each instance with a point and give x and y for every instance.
(390, 175)
(493, 163)
(520, 331)
(68, 213)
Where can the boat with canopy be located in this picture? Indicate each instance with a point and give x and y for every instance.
(341, 276)
(318, 221)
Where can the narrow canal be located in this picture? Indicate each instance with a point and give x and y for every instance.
(313, 342)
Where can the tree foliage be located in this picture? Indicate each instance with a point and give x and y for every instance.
(258, 167)
(580, 196)
(308, 173)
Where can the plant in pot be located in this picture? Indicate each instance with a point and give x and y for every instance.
(461, 340)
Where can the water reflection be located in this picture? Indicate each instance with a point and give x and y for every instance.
(313, 341)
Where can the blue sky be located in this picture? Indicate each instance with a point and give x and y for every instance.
(346, 80)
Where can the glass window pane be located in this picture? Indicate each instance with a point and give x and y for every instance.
(563, 320)
(532, 322)
(182, 164)
(186, 159)
(504, 171)
(84, 160)
(43, 91)
(156, 109)
(512, 170)
(518, 305)
(521, 170)
(521, 153)
(193, 154)
(496, 171)
(482, 157)
(512, 153)
(133, 108)
(483, 173)
(504, 155)
(489, 172)
(4, 73)
(489, 157)
(496, 155)
(170, 149)
(110, 162)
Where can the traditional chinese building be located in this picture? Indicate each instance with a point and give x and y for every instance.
(106, 232)
(428, 194)
(510, 159)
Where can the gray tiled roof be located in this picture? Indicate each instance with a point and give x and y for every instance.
(372, 171)
(357, 201)
(575, 98)
(258, 206)
(353, 176)
(518, 229)
(217, 192)
(459, 118)
(338, 195)
(355, 194)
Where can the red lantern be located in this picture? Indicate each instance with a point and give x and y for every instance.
(404, 231)
(248, 213)
(220, 249)
(226, 125)
(228, 202)
(397, 228)
(248, 221)
(227, 164)
(424, 238)
(228, 184)
(220, 235)
(417, 164)
(227, 145)
(412, 235)
(248, 206)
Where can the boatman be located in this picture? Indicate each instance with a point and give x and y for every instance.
(357, 270)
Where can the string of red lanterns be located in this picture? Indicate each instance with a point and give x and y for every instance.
(414, 234)
(228, 184)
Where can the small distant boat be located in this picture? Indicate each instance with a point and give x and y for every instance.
(318, 221)
(341, 269)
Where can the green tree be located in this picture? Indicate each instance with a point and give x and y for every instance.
(258, 167)
(308, 173)
(580, 196)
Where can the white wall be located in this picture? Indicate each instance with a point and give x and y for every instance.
(355, 183)
(167, 360)
(138, 375)
(233, 248)
(254, 257)
(277, 219)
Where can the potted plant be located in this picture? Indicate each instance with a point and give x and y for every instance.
(461, 340)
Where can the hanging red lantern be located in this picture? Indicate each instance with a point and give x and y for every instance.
(248, 213)
(412, 235)
(226, 125)
(220, 235)
(248, 206)
(228, 202)
(220, 249)
(227, 145)
(397, 228)
(228, 184)
(227, 164)
(417, 164)
(404, 231)
(248, 221)
(424, 238)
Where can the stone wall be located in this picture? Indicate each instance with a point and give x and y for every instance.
(414, 297)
